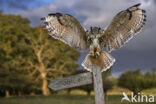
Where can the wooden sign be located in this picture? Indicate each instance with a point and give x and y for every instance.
(82, 79)
(71, 81)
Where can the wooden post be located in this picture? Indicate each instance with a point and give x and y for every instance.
(98, 85)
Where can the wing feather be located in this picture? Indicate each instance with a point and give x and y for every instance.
(123, 27)
(67, 29)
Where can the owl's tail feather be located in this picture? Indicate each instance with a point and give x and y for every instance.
(103, 60)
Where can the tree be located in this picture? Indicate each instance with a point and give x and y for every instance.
(107, 83)
(132, 80)
(148, 79)
(13, 77)
(51, 58)
(32, 52)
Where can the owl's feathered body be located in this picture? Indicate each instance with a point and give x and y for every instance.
(96, 55)
(122, 28)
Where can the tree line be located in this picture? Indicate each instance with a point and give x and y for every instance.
(136, 81)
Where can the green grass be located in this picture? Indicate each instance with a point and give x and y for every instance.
(150, 91)
(62, 99)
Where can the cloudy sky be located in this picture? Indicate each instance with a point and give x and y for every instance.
(140, 52)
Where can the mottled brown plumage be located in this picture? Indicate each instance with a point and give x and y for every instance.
(122, 28)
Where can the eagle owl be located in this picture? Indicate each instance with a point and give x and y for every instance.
(122, 28)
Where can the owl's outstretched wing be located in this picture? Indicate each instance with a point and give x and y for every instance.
(67, 29)
(122, 28)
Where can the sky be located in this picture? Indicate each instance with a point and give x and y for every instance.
(139, 52)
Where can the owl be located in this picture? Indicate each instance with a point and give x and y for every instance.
(123, 27)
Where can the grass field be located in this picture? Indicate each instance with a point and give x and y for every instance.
(62, 99)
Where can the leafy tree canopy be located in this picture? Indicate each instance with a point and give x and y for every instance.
(28, 54)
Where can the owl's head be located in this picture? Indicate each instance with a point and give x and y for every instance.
(95, 30)
(94, 36)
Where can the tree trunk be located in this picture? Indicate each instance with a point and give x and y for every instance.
(106, 98)
(135, 92)
(7, 93)
(68, 91)
(19, 93)
(88, 93)
(44, 85)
